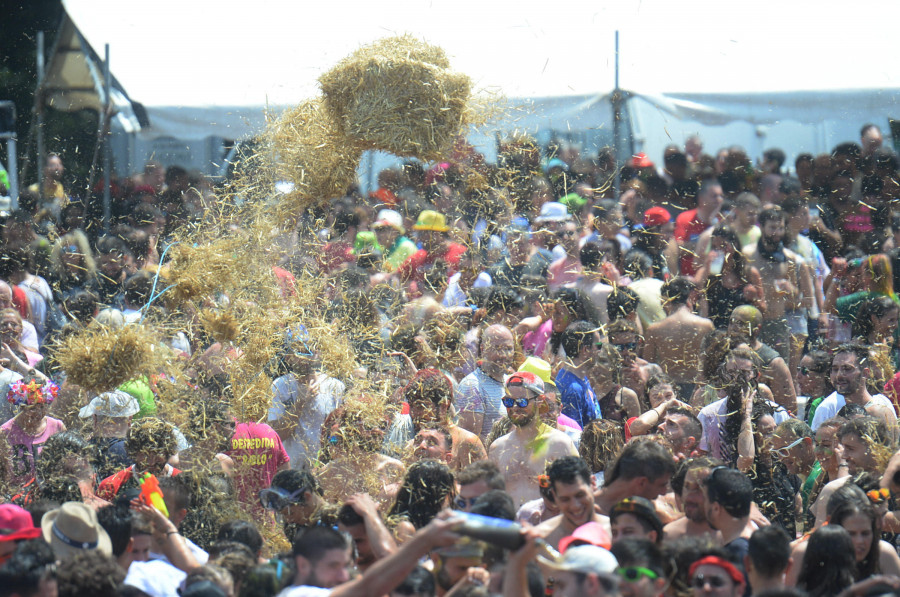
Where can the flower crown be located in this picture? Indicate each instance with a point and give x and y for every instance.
(31, 393)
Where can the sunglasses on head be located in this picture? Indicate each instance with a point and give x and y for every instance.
(276, 498)
(636, 573)
(520, 402)
(785, 452)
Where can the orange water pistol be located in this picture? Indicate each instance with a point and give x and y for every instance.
(151, 494)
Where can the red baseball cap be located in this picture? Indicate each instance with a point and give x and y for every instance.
(16, 524)
(656, 216)
(640, 160)
(592, 533)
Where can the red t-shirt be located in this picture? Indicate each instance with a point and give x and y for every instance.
(258, 453)
(20, 300)
(688, 227)
(414, 268)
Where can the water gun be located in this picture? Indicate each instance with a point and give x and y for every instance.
(151, 494)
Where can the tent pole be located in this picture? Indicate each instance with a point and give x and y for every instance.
(39, 111)
(107, 150)
(617, 129)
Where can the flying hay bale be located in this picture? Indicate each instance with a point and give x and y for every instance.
(100, 359)
(311, 153)
(397, 95)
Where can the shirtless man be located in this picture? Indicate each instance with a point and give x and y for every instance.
(572, 488)
(429, 395)
(787, 285)
(693, 523)
(523, 453)
(745, 327)
(643, 469)
(356, 466)
(674, 343)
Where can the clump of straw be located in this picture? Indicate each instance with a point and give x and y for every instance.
(100, 359)
(397, 95)
(222, 325)
(198, 271)
(312, 153)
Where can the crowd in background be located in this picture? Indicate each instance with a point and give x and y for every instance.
(681, 375)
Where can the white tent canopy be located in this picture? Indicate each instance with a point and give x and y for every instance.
(200, 68)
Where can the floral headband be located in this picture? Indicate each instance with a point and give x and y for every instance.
(31, 393)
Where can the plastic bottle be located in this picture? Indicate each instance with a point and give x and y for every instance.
(497, 531)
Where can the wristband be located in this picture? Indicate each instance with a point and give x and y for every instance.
(172, 533)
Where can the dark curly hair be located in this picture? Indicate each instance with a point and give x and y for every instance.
(424, 492)
(151, 433)
(89, 573)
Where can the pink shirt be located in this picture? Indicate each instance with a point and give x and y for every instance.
(533, 343)
(563, 271)
(258, 453)
(25, 448)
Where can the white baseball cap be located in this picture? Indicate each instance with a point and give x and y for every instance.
(111, 404)
(389, 217)
(586, 559)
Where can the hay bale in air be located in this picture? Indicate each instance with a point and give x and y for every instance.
(398, 95)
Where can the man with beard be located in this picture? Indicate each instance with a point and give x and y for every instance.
(571, 485)
(693, 523)
(683, 430)
(744, 327)
(727, 431)
(480, 393)
(789, 284)
(850, 371)
(522, 454)
(434, 444)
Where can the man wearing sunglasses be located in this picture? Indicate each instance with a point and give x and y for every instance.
(522, 454)
(640, 570)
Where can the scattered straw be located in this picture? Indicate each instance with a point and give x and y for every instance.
(311, 153)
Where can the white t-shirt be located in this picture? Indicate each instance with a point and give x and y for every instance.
(713, 416)
(7, 377)
(304, 444)
(157, 578)
(834, 402)
(304, 591)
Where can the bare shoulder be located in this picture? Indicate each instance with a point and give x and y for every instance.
(550, 525)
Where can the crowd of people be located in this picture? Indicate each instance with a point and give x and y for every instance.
(688, 388)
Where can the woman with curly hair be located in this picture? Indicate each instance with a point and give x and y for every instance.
(601, 442)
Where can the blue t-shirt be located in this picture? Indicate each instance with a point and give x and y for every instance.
(577, 396)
